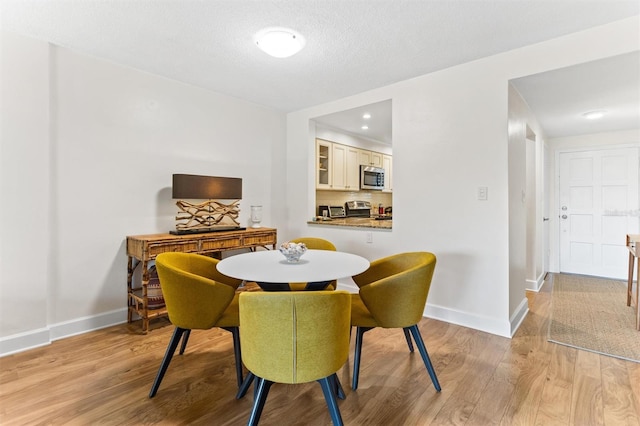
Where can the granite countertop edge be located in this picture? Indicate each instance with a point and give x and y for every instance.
(358, 223)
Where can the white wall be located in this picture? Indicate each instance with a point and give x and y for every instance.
(526, 140)
(451, 136)
(100, 170)
(24, 188)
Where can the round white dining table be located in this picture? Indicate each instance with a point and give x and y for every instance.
(272, 271)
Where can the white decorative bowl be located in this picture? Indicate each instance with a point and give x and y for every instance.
(293, 251)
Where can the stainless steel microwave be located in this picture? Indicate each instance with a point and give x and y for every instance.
(371, 178)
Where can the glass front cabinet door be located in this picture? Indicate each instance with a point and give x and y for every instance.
(323, 164)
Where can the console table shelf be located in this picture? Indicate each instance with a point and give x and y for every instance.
(141, 249)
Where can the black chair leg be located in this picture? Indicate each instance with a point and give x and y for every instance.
(262, 390)
(173, 343)
(425, 356)
(185, 339)
(338, 387)
(328, 388)
(244, 387)
(358, 352)
(237, 352)
(408, 337)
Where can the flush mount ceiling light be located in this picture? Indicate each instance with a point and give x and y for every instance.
(366, 116)
(594, 115)
(279, 42)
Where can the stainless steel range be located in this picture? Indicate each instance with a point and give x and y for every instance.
(357, 209)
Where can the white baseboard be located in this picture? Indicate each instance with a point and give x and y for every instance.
(86, 324)
(44, 336)
(464, 319)
(22, 341)
(519, 315)
(535, 285)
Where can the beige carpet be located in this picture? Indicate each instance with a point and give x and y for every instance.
(592, 314)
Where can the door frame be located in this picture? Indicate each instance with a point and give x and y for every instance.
(546, 207)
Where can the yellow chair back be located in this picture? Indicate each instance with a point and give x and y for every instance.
(195, 293)
(314, 243)
(395, 288)
(294, 337)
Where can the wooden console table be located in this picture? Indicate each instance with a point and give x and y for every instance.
(634, 253)
(144, 248)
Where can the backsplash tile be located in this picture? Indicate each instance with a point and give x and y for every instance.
(338, 198)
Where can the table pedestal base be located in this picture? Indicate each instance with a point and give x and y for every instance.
(315, 286)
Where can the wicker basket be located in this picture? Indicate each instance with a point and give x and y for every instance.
(154, 292)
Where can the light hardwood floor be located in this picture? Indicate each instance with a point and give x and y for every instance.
(104, 377)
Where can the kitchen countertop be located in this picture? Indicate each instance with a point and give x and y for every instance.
(359, 222)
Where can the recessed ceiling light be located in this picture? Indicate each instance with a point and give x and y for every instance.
(366, 116)
(279, 42)
(365, 127)
(594, 115)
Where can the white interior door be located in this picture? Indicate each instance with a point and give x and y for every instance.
(598, 207)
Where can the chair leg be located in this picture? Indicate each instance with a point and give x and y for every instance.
(328, 388)
(262, 390)
(408, 337)
(173, 343)
(425, 356)
(358, 352)
(185, 339)
(338, 387)
(244, 387)
(235, 332)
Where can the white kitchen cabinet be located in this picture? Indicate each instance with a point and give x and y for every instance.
(345, 170)
(338, 165)
(387, 165)
(370, 158)
(324, 165)
(338, 175)
(376, 159)
(364, 157)
(352, 169)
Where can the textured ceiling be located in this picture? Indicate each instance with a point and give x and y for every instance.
(352, 45)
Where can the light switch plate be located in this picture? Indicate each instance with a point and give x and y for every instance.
(483, 193)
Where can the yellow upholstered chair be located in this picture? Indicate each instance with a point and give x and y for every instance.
(197, 296)
(295, 337)
(314, 243)
(393, 293)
